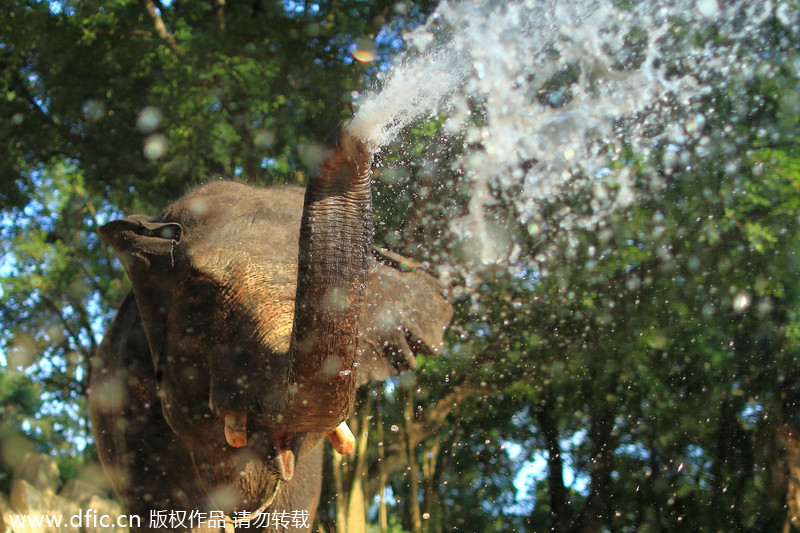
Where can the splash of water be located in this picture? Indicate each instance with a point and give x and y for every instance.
(417, 87)
(544, 93)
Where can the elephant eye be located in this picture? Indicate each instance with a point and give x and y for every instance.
(199, 302)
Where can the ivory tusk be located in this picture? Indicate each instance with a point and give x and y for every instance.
(342, 439)
(236, 428)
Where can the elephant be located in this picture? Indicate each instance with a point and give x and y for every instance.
(254, 315)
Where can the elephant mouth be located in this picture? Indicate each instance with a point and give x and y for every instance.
(245, 474)
(242, 479)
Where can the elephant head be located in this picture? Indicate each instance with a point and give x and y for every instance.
(255, 336)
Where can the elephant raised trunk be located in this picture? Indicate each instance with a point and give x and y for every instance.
(335, 241)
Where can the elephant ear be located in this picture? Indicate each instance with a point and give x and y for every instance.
(146, 249)
(405, 313)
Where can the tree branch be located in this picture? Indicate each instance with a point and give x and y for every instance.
(51, 304)
(161, 28)
(428, 426)
(219, 11)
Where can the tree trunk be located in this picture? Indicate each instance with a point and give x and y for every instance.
(339, 497)
(349, 473)
(431, 504)
(413, 467)
(778, 452)
(599, 506)
(356, 511)
(560, 515)
(383, 515)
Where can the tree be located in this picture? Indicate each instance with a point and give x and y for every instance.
(648, 361)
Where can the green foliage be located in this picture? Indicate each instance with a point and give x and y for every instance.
(54, 271)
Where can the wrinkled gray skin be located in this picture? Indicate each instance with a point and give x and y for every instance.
(218, 322)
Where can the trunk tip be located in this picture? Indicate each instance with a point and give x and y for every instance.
(354, 143)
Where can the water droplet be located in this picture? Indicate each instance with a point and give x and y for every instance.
(264, 139)
(708, 8)
(741, 302)
(155, 146)
(94, 109)
(23, 351)
(149, 119)
(364, 51)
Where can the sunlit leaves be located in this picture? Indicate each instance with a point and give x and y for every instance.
(54, 272)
